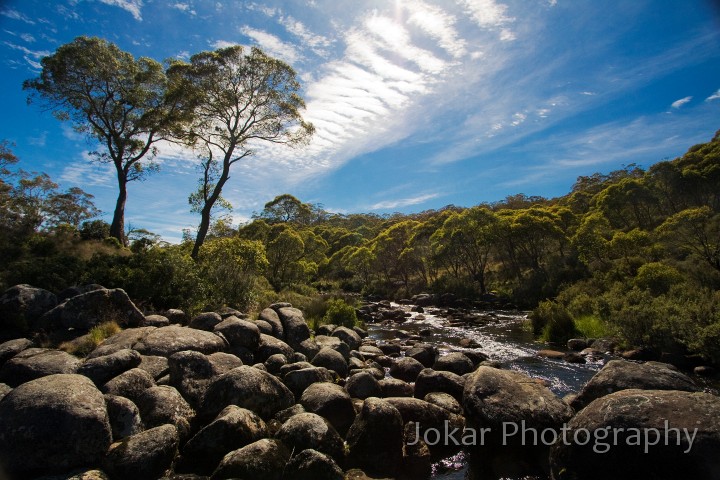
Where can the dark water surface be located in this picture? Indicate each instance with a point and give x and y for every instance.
(504, 337)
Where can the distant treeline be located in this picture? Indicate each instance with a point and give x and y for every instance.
(635, 251)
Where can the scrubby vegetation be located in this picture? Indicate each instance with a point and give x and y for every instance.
(632, 253)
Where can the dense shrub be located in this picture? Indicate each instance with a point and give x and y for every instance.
(340, 313)
(552, 322)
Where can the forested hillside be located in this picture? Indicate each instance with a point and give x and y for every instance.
(633, 253)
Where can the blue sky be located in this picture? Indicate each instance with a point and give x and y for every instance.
(417, 103)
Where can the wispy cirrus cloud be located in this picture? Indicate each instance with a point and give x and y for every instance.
(272, 45)
(134, 7)
(714, 96)
(32, 57)
(15, 15)
(403, 202)
(184, 7)
(680, 102)
(87, 172)
(318, 44)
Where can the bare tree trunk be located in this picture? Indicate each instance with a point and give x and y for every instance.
(202, 229)
(117, 227)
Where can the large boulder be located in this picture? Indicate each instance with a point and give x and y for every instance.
(270, 316)
(443, 400)
(269, 346)
(125, 339)
(375, 439)
(124, 417)
(191, 373)
(12, 347)
(430, 380)
(298, 380)
(156, 321)
(309, 430)
(392, 387)
(4, 390)
(406, 369)
(426, 415)
(294, 325)
(53, 424)
(145, 456)
(349, 336)
(233, 428)
(363, 385)
(205, 321)
(619, 375)
(423, 353)
(313, 465)
(455, 362)
(262, 460)
(85, 311)
(168, 340)
(34, 363)
(239, 333)
(22, 305)
(130, 384)
(332, 402)
(332, 360)
(504, 402)
(163, 405)
(249, 388)
(631, 434)
(102, 369)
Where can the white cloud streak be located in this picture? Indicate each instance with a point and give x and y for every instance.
(679, 103)
(132, 6)
(714, 96)
(403, 202)
(272, 44)
(15, 15)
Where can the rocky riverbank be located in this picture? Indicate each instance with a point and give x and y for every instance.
(221, 395)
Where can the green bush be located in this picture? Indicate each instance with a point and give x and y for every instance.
(657, 277)
(591, 326)
(340, 313)
(552, 322)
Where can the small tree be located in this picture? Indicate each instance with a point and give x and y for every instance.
(238, 100)
(114, 99)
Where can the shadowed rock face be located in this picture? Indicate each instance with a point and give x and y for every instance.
(35, 363)
(621, 375)
(313, 465)
(262, 460)
(83, 312)
(233, 428)
(22, 305)
(624, 457)
(168, 340)
(375, 439)
(53, 424)
(145, 456)
(249, 388)
(495, 398)
(309, 430)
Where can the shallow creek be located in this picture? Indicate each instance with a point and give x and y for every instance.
(502, 336)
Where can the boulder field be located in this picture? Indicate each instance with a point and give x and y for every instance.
(221, 396)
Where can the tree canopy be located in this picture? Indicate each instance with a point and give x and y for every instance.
(238, 101)
(120, 102)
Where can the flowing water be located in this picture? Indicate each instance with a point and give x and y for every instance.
(504, 337)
